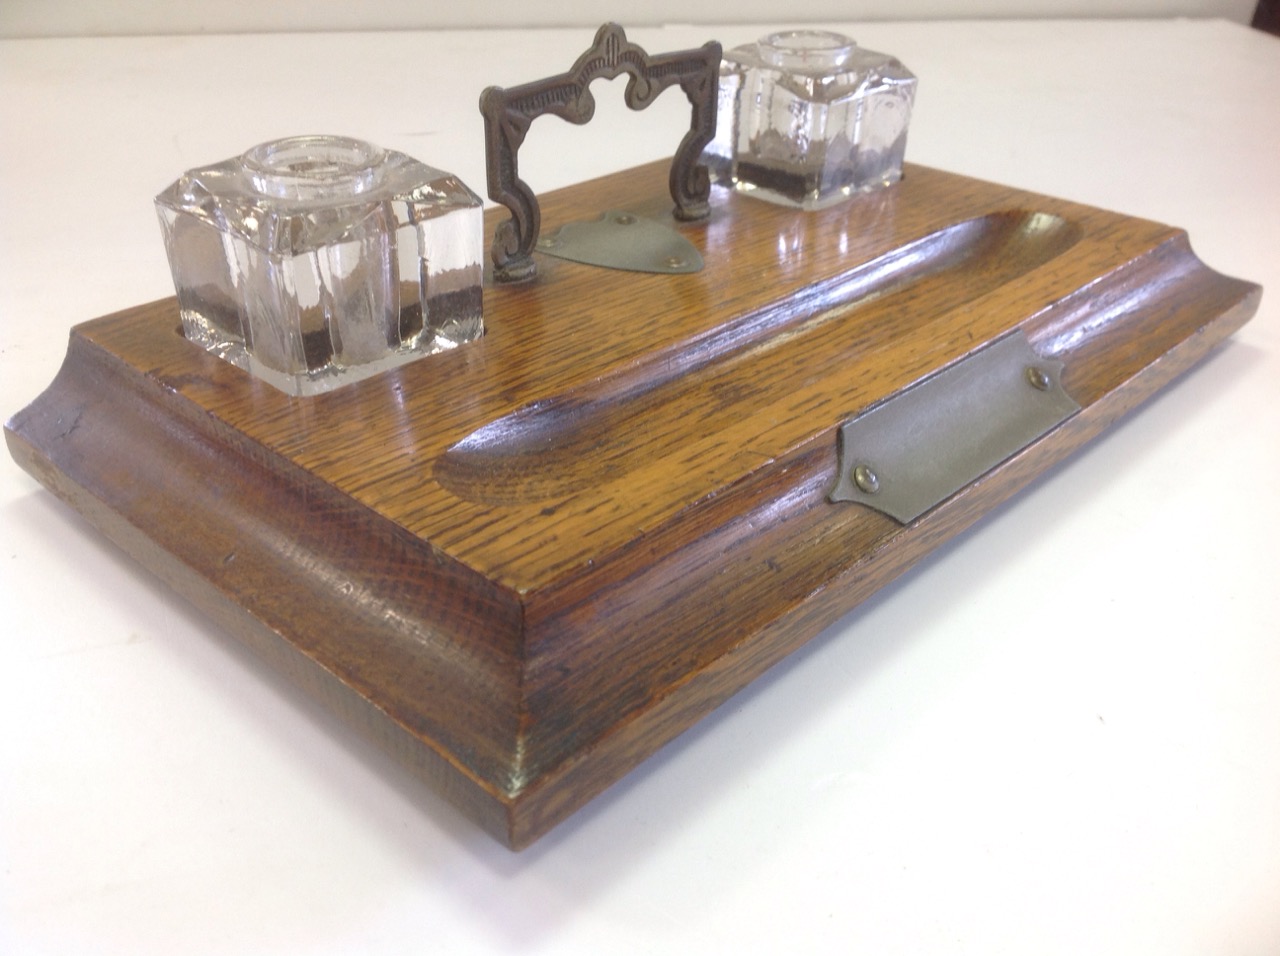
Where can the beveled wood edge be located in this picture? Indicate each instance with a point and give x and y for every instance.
(593, 768)
(97, 408)
(511, 806)
(1138, 308)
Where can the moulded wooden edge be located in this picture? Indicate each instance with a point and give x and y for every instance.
(105, 440)
(590, 769)
(291, 569)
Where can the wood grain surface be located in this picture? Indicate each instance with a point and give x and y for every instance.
(525, 564)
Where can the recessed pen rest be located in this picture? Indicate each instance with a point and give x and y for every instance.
(606, 429)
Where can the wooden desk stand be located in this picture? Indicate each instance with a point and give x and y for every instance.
(524, 565)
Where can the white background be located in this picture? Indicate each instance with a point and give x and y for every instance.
(30, 18)
(1060, 734)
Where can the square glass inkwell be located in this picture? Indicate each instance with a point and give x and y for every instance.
(316, 261)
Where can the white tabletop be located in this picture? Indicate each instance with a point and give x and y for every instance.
(1059, 735)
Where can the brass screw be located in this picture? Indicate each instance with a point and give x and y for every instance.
(868, 481)
(1038, 378)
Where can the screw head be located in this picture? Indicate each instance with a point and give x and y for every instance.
(1038, 378)
(868, 481)
(624, 219)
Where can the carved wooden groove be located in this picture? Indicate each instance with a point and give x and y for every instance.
(524, 565)
(508, 113)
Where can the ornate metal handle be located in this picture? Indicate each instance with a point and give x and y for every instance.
(509, 113)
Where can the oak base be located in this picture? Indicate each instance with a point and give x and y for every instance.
(523, 566)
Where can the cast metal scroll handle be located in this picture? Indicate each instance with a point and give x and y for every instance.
(509, 112)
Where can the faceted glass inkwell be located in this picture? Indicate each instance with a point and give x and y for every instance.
(316, 261)
(808, 118)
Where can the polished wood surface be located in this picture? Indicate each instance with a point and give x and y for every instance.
(524, 565)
